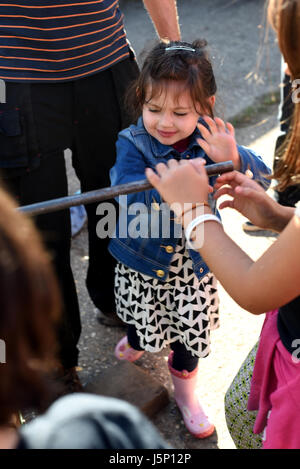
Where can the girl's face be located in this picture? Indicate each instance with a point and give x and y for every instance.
(169, 117)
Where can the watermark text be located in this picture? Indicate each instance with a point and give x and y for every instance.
(2, 351)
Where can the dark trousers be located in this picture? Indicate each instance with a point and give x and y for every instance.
(85, 116)
(182, 358)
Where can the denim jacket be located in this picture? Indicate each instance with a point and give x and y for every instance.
(148, 254)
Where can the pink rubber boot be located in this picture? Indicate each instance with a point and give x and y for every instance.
(186, 398)
(124, 351)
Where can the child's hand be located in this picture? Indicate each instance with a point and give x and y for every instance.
(219, 142)
(180, 182)
(248, 198)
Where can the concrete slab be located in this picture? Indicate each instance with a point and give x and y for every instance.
(129, 382)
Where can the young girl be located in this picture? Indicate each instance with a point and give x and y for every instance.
(165, 292)
(272, 282)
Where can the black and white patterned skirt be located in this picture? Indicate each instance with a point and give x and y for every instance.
(182, 308)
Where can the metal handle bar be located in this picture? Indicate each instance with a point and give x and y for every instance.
(107, 193)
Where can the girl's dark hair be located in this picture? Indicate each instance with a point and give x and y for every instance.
(29, 308)
(192, 70)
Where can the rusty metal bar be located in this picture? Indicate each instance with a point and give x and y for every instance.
(107, 193)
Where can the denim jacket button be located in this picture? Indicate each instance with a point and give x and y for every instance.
(160, 273)
(169, 249)
(201, 270)
(188, 156)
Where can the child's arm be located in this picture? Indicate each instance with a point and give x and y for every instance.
(129, 167)
(252, 162)
(219, 144)
(260, 286)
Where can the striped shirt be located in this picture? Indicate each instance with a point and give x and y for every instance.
(52, 40)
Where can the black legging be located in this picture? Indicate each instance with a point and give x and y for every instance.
(182, 358)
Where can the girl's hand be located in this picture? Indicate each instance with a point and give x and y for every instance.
(219, 142)
(180, 182)
(248, 198)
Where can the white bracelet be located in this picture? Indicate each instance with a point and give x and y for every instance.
(297, 211)
(194, 223)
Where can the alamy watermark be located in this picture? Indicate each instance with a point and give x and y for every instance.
(296, 353)
(2, 91)
(139, 220)
(296, 91)
(2, 351)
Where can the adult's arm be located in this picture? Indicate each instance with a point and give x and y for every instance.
(165, 18)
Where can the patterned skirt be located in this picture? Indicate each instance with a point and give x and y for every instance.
(181, 308)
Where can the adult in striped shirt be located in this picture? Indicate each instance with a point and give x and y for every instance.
(66, 66)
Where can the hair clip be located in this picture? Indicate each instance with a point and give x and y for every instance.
(181, 48)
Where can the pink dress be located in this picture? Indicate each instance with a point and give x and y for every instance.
(275, 390)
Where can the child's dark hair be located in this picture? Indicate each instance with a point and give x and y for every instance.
(189, 65)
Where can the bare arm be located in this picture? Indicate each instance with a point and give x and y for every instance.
(164, 16)
(260, 286)
(285, 214)
(271, 281)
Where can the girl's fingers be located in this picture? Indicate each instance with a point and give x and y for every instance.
(226, 204)
(218, 187)
(182, 162)
(215, 125)
(226, 190)
(233, 176)
(152, 177)
(212, 125)
(254, 195)
(230, 129)
(161, 168)
(199, 164)
(220, 124)
(204, 145)
(227, 182)
(172, 163)
(204, 132)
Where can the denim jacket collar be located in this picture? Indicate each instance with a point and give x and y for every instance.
(158, 149)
